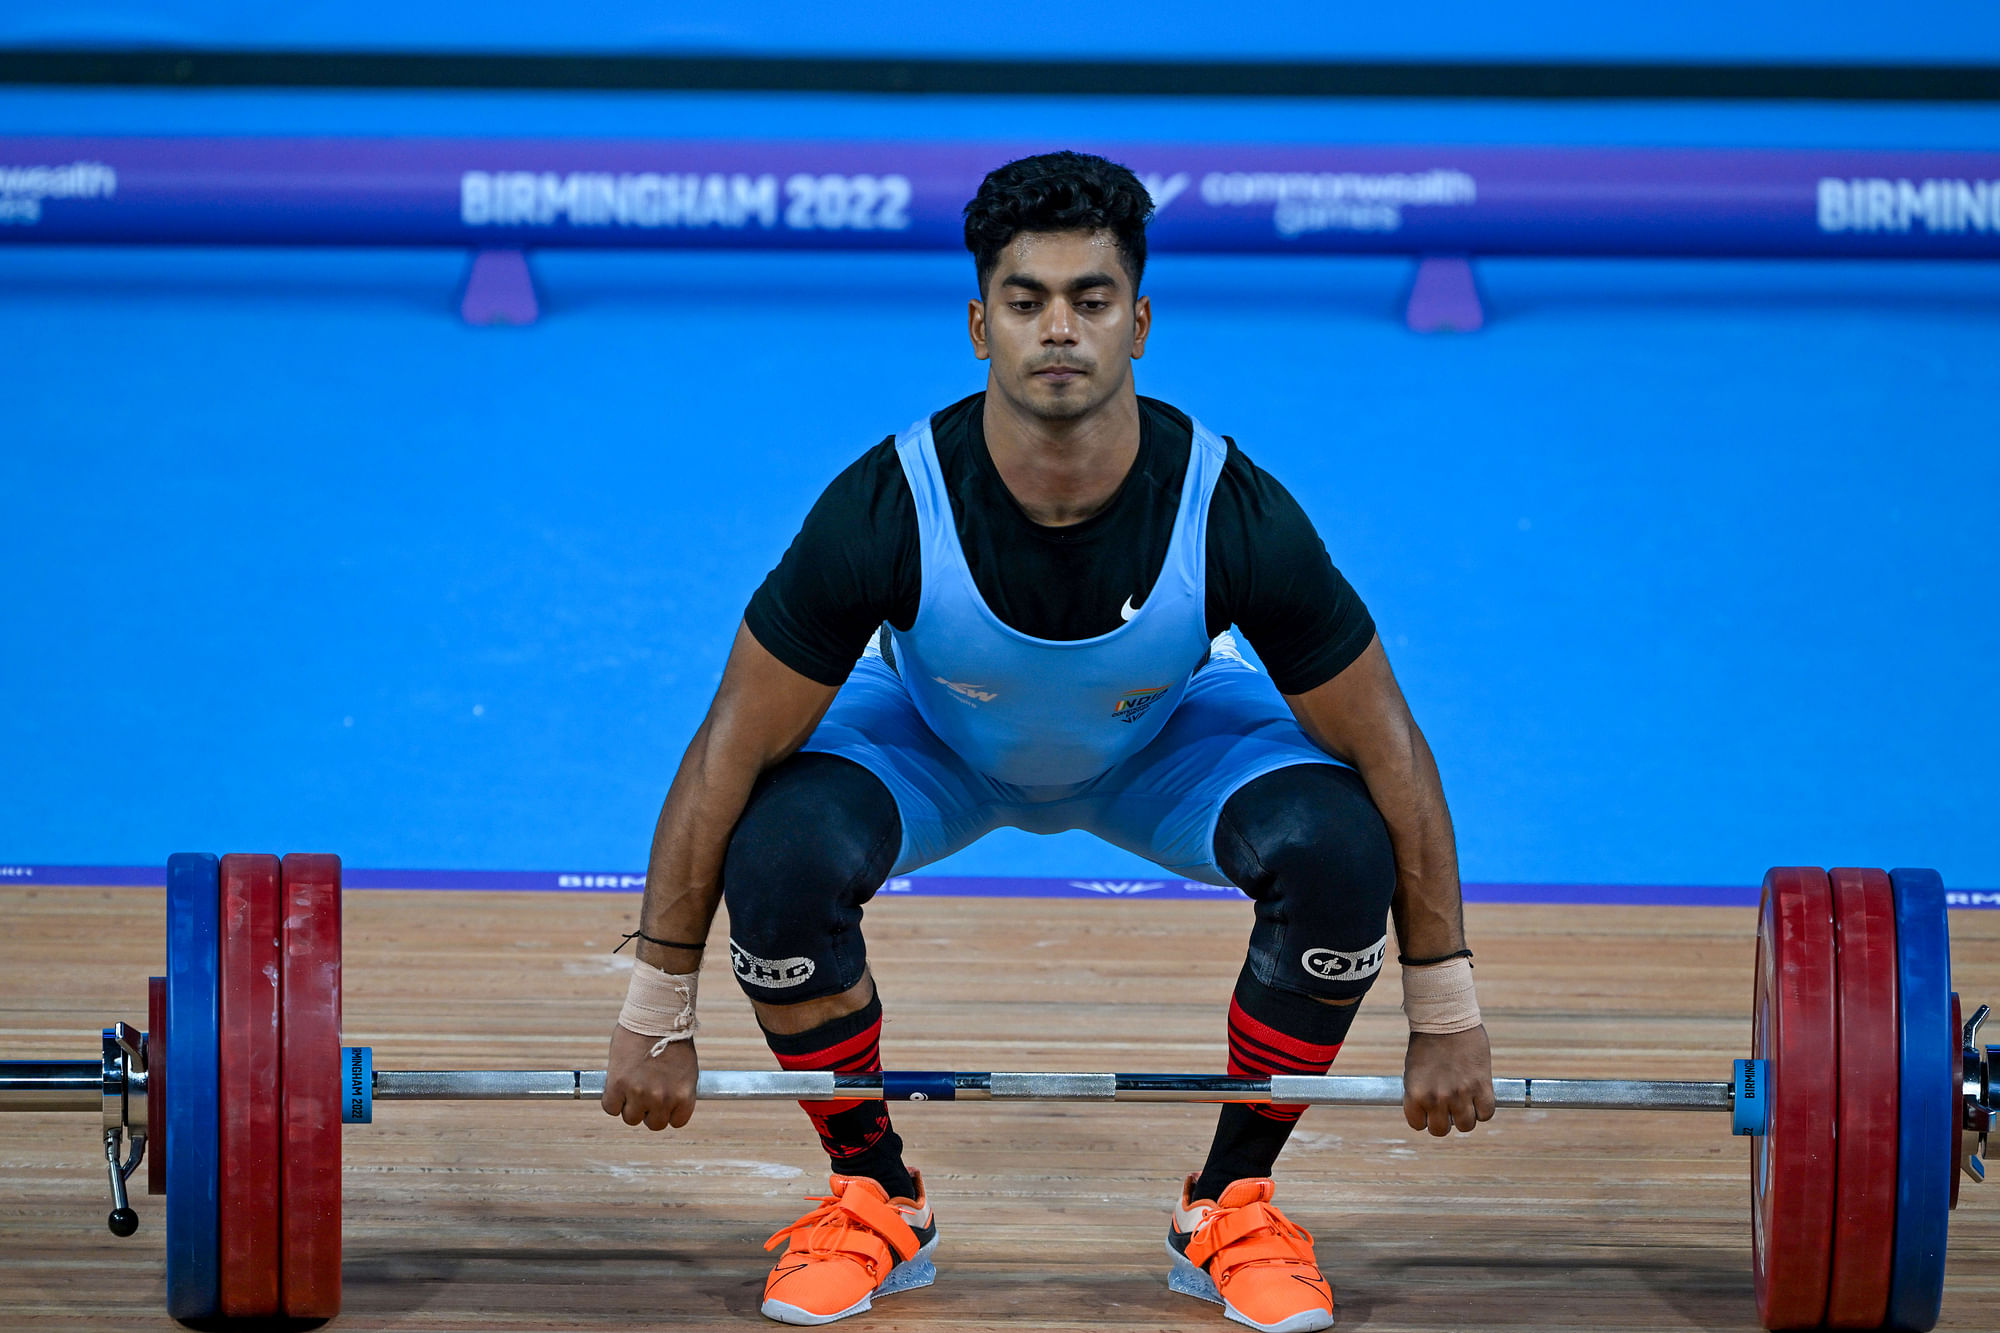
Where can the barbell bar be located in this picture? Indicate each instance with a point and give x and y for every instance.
(77, 1085)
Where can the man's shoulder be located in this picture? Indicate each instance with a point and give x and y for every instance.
(1238, 472)
(1247, 495)
(877, 474)
(869, 490)
(954, 428)
(873, 464)
(1164, 416)
(1177, 426)
(960, 414)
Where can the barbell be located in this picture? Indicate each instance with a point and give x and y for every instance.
(1865, 1093)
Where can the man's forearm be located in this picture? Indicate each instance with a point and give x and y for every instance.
(1359, 716)
(1427, 907)
(684, 871)
(763, 712)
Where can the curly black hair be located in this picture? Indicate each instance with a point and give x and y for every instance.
(1062, 191)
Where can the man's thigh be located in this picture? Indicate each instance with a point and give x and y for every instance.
(1231, 728)
(944, 804)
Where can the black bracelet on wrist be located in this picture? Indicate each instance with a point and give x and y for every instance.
(1407, 961)
(664, 944)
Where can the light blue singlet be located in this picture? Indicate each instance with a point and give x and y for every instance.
(1038, 712)
(1139, 735)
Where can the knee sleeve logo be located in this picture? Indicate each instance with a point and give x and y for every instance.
(763, 972)
(1336, 965)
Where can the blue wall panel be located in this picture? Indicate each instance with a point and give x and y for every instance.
(1774, 30)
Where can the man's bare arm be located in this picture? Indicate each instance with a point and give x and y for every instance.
(762, 712)
(1360, 716)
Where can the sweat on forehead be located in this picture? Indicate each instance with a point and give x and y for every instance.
(1059, 257)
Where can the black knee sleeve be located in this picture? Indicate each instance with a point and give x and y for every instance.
(817, 838)
(1307, 844)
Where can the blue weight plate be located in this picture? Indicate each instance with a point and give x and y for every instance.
(1929, 1100)
(193, 1134)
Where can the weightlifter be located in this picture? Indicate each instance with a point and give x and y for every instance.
(1018, 612)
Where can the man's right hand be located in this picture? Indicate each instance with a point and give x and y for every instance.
(638, 1086)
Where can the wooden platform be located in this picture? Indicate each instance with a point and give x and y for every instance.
(510, 1216)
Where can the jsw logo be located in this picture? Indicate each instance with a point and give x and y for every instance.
(1115, 886)
(966, 691)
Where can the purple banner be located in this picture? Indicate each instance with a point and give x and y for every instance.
(954, 886)
(1220, 198)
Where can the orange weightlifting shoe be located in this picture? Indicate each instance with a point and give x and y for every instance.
(1242, 1253)
(857, 1245)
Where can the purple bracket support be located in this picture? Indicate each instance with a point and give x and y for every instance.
(500, 289)
(1445, 296)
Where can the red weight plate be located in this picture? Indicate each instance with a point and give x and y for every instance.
(1866, 1139)
(248, 1087)
(156, 1085)
(312, 1086)
(1792, 1166)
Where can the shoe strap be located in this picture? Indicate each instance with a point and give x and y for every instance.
(1254, 1233)
(1258, 1250)
(852, 1216)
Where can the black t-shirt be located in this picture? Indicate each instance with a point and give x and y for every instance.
(855, 563)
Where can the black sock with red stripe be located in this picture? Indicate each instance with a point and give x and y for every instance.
(1270, 1032)
(856, 1134)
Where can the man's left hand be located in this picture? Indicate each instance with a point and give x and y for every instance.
(1448, 1080)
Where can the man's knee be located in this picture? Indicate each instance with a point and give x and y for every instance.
(1308, 844)
(817, 837)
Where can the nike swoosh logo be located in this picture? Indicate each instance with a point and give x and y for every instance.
(1127, 611)
(1321, 1287)
(783, 1273)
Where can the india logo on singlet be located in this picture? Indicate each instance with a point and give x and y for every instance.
(1134, 703)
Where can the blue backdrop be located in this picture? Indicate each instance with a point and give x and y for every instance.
(1924, 30)
(1687, 568)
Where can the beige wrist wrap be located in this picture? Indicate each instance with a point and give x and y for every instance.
(1438, 997)
(660, 1004)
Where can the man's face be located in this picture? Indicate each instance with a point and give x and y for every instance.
(1060, 323)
